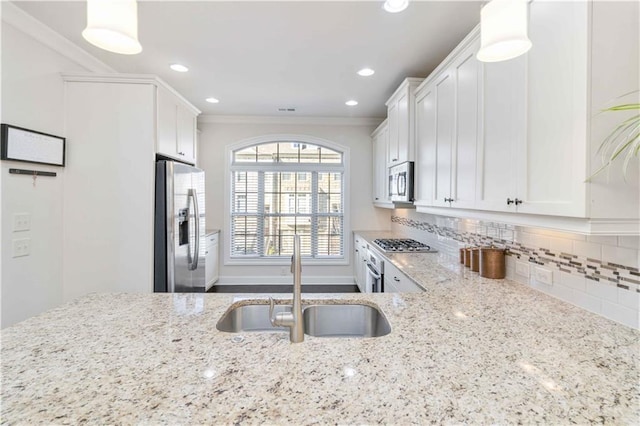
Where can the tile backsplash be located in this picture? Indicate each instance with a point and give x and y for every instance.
(598, 273)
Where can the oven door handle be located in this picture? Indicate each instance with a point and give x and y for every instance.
(373, 272)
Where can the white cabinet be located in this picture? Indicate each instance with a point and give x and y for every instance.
(533, 150)
(397, 282)
(537, 125)
(447, 132)
(211, 267)
(109, 182)
(380, 141)
(176, 127)
(401, 122)
(360, 261)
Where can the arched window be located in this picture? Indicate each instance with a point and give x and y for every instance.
(284, 187)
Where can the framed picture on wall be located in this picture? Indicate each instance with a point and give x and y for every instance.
(30, 146)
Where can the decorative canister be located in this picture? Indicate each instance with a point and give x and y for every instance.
(475, 259)
(492, 263)
(467, 257)
(462, 250)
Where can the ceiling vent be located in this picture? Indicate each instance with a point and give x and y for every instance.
(286, 110)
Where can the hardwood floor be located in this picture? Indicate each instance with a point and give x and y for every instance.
(283, 289)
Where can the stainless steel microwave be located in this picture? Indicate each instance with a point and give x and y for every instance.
(401, 183)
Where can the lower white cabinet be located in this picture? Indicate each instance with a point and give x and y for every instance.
(360, 261)
(211, 266)
(397, 282)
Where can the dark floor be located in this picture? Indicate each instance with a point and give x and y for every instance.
(283, 289)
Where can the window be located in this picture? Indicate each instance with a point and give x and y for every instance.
(280, 189)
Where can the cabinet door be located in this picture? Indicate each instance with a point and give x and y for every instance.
(211, 261)
(463, 184)
(553, 160)
(167, 123)
(380, 166)
(396, 282)
(425, 147)
(444, 138)
(403, 130)
(186, 122)
(503, 130)
(394, 125)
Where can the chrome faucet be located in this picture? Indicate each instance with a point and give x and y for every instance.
(293, 319)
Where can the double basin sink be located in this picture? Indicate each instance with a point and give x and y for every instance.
(327, 320)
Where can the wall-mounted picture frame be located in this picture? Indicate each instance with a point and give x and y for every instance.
(30, 146)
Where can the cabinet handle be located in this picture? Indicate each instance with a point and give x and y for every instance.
(510, 201)
(396, 279)
(448, 200)
(181, 153)
(377, 198)
(394, 160)
(518, 202)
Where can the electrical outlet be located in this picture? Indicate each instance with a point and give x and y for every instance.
(21, 247)
(21, 222)
(544, 276)
(283, 270)
(522, 269)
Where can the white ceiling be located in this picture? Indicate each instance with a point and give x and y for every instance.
(258, 56)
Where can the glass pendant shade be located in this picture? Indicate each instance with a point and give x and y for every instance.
(395, 6)
(503, 30)
(113, 25)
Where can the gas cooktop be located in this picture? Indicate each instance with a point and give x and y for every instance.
(390, 245)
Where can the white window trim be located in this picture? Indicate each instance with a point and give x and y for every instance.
(312, 140)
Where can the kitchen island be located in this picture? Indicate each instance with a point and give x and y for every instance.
(467, 350)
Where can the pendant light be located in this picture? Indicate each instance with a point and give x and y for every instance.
(395, 6)
(503, 30)
(113, 25)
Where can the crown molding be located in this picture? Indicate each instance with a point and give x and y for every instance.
(19, 19)
(315, 121)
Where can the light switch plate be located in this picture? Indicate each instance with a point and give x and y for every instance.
(544, 275)
(21, 247)
(21, 222)
(522, 269)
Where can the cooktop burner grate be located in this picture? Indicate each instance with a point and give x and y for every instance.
(402, 245)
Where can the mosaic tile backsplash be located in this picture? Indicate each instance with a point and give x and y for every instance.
(501, 235)
(600, 273)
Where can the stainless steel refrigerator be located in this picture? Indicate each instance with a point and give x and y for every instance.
(179, 228)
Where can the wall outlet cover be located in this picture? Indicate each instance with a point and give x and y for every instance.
(544, 275)
(522, 269)
(21, 247)
(21, 222)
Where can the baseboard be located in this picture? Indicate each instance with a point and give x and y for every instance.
(287, 279)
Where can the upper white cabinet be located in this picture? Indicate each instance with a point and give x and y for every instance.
(447, 129)
(176, 127)
(521, 136)
(380, 141)
(401, 122)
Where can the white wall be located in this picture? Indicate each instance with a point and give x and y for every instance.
(214, 136)
(32, 97)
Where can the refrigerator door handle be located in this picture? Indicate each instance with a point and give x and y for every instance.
(194, 195)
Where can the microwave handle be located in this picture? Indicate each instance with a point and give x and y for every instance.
(402, 183)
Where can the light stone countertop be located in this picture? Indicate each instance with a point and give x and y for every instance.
(467, 350)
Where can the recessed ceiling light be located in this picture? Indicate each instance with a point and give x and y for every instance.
(212, 100)
(395, 6)
(366, 72)
(178, 67)
(351, 103)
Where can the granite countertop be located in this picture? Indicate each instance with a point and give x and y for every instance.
(467, 350)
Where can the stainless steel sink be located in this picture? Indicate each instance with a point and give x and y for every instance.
(342, 320)
(250, 318)
(332, 320)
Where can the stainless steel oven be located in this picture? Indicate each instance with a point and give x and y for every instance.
(375, 273)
